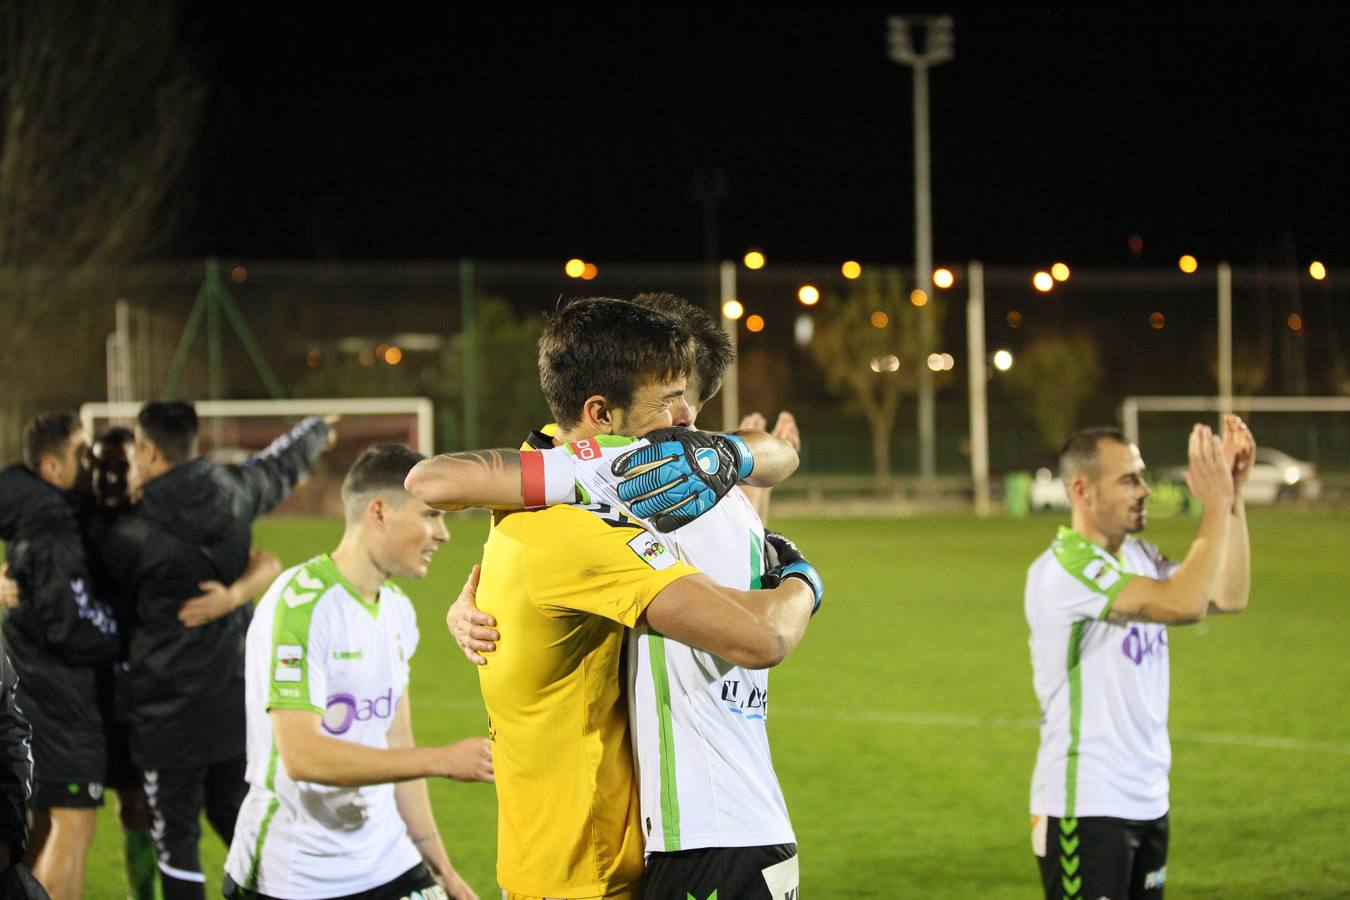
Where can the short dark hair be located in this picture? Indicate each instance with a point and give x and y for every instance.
(608, 347)
(1080, 454)
(172, 426)
(47, 434)
(379, 468)
(712, 346)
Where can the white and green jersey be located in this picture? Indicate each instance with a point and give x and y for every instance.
(315, 645)
(1102, 686)
(705, 774)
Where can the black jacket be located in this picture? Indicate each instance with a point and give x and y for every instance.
(60, 630)
(16, 765)
(193, 524)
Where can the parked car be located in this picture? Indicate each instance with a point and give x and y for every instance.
(1276, 476)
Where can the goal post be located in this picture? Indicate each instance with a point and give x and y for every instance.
(419, 409)
(231, 430)
(1130, 407)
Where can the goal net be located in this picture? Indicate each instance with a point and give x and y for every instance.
(231, 430)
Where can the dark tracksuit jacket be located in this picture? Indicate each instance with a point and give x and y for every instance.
(61, 632)
(185, 686)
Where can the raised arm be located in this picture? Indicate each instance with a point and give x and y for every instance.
(785, 428)
(1235, 572)
(265, 479)
(1185, 597)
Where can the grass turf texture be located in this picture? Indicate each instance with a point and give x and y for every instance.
(904, 726)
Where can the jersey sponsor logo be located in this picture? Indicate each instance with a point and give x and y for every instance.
(706, 457)
(1140, 645)
(587, 449)
(752, 704)
(346, 654)
(652, 552)
(290, 663)
(343, 710)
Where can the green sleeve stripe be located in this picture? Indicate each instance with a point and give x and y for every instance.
(1076, 554)
(292, 617)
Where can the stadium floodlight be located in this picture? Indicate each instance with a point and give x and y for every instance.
(921, 41)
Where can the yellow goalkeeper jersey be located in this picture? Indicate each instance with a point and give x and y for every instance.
(564, 583)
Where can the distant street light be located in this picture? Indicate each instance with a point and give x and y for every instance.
(1317, 270)
(754, 259)
(754, 323)
(1059, 271)
(589, 271)
(808, 294)
(943, 278)
(1188, 264)
(921, 41)
(1003, 360)
(851, 269)
(1043, 282)
(733, 309)
(574, 268)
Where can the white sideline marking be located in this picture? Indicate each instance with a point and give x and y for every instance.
(902, 717)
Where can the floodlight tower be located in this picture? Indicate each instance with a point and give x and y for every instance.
(919, 42)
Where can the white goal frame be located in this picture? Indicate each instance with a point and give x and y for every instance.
(420, 407)
(1130, 407)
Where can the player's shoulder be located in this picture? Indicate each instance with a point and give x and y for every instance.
(1078, 556)
(302, 589)
(1147, 552)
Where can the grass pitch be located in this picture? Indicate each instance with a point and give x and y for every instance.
(904, 727)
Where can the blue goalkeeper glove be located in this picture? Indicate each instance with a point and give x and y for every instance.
(680, 474)
(786, 561)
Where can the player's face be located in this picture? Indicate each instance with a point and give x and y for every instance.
(656, 404)
(693, 388)
(68, 465)
(1120, 491)
(413, 533)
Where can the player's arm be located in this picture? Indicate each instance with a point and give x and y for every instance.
(754, 629)
(310, 755)
(217, 600)
(785, 428)
(1185, 596)
(489, 479)
(414, 807)
(1235, 573)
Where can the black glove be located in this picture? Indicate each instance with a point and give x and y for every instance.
(680, 474)
(786, 561)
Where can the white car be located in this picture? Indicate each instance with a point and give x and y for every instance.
(1277, 476)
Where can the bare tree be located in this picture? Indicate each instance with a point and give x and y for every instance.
(867, 343)
(99, 110)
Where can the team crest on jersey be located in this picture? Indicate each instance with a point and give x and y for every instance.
(652, 552)
(290, 663)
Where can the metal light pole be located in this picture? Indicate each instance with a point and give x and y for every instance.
(920, 42)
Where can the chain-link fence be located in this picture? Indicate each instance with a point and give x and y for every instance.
(850, 365)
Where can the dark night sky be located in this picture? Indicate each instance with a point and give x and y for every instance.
(401, 133)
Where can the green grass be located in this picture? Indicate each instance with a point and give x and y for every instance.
(904, 726)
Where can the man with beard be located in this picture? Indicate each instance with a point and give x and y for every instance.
(1098, 603)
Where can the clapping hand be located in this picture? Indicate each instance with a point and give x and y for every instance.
(1239, 448)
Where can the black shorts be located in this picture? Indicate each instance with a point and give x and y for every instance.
(122, 772)
(1099, 856)
(416, 880)
(66, 794)
(745, 873)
